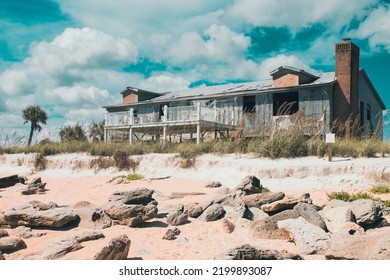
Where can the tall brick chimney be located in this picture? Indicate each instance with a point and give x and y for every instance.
(346, 95)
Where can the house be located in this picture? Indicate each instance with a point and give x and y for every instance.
(291, 98)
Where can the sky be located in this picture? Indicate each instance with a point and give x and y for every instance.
(74, 56)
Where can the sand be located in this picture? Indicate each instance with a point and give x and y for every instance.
(70, 179)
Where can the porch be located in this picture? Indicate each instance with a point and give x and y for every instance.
(193, 120)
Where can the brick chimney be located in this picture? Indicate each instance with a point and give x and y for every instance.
(346, 95)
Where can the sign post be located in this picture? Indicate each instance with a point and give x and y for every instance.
(330, 138)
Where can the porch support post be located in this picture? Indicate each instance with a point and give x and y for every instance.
(164, 134)
(198, 132)
(105, 125)
(131, 135)
(165, 119)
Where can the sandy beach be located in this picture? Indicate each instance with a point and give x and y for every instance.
(70, 180)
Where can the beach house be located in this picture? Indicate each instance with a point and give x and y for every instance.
(311, 103)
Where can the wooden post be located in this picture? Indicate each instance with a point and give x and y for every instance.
(330, 138)
(105, 125)
(131, 135)
(329, 151)
(198, 132)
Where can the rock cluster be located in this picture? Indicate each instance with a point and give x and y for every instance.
(117, 249)
(34, 187)
(171, 234)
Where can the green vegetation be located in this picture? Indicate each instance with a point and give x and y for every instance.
(265, 190)
(35, 115)
(277, 147)
(129, 177)
(344, 196)
(73, 133)
(380, 189)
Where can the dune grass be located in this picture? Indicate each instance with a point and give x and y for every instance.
(348, 197)
(382, 189)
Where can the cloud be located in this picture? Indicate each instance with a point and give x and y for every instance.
(297, 14)
(376, 28)
(163, 83)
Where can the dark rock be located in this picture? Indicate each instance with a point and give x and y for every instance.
(11, 244)
(10, 181)
(177, 218)
(35, 187)
(247, 252)
(1, 257)
(212, 213)
(259, 199)
(310, 213)
(193, 209)
(117, 249)
(213, 184)
(141, 196)
(255, 214)
(3, 233)
(250, 185)
(171, 234)
(286, 203)
(37, 214)
(268, 228)
(65, 245)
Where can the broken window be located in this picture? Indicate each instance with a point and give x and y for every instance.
(285, 103)
(249, 104)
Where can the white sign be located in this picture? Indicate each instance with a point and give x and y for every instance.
(330, 138)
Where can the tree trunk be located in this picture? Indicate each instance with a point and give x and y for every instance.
(31, 135)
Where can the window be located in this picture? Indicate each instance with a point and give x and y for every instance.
(361, 114)
(368, 112)
(285, 103)
(249, 104)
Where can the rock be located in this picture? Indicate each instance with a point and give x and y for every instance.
(247, 252)
(139, 196)
(286, 203)
(335, 218)
(34, 187)
(255, 214)
(10, 181)
(213, 184)
(37, 214)
(117, 249)
(171, 234)
(268, 228)
(222, 191)
(117, 181)
(227, 226)
(65, 245)
(93, 218)
(212, 213)
(177, 218)
(130, 215)
(310, 213)
(25, 232)
(3, 233)
(232, 203)
(2, 220)
(11, 244)
(310, 239)
(382, 222)
(172, 208)
(1, 257)
(250, 185)
(259, 199)
(193, 209)
(374, 245)
(351, 228)
(366, 211)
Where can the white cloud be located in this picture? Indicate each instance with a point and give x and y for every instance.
(86, 96)
(376, 28)
(297, 14)
(163, 83)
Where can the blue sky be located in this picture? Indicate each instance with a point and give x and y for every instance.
(74, 56)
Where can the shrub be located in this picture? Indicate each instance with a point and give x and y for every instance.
(39, 162)
(344, 196)
(121, 158)
(134, 177)
(282, 146)
(380, 189)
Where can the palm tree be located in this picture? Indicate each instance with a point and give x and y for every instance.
(35, 115)
(96, 131)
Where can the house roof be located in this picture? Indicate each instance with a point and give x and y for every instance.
(283, 70)
(229, 89)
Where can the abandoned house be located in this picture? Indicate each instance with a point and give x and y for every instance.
(291, 99)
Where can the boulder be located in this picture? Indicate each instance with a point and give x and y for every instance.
(130, 215)
(351, 228)
(65, 245)
(259, 199)
(366, 211)
(34, 187)
(268, 228)
(255, 214)
(3, 233)
(171, 234)
(141, 196)
(172, 208)
(37, 214)
(310, 213)
(177, 218)
(247, 252)
(1, 257)
(91, 217)
(26, 232)
(117, 249)
(11, 244)
(212, 213)
(250, 185)
(336, 217)
(213, 184)
(374, 245)
(310, 239)
(286, 203)
(227, 226)
(193, 209)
